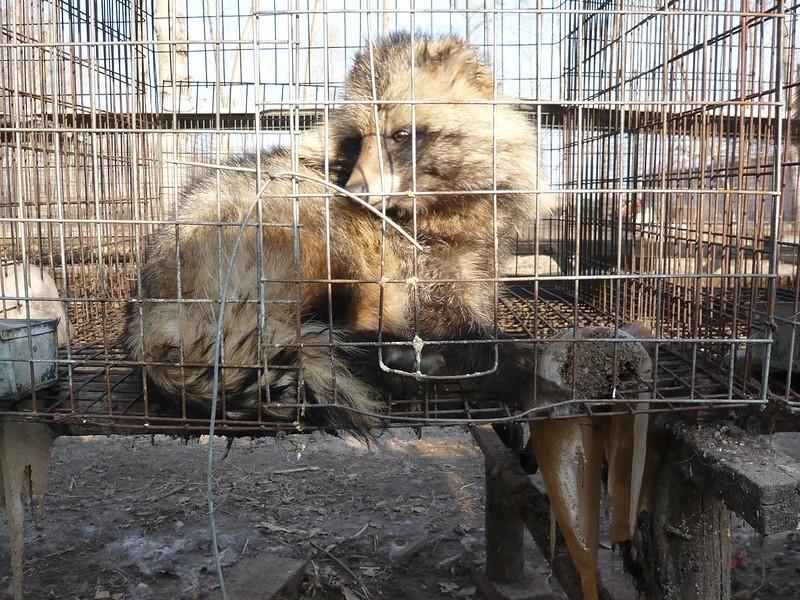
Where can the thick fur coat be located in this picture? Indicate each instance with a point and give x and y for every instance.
(444, 170)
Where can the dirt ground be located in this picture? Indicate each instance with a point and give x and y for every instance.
(126, 519)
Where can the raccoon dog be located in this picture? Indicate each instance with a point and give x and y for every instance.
(443, 293)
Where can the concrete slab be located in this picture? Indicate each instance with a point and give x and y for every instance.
(263, 577)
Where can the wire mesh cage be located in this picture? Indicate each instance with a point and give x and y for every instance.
(662, 147)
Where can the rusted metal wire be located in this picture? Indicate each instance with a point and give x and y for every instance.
(664, 129)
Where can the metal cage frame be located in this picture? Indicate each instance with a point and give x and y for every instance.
(664, 128)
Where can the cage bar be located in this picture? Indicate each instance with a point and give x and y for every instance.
(666, 132)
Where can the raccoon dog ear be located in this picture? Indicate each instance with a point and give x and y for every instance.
(458, 62)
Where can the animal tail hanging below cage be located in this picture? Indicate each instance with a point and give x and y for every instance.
(307, 375)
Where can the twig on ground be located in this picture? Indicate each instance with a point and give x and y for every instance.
(349, 538)
(295, 470)
(412, 548)
(339, 562)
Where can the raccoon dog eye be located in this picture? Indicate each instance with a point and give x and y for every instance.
(401, 135)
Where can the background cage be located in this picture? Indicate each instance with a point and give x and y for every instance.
(663, 128)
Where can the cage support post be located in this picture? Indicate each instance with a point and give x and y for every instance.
(24, 459)
(505, 552)
(682, 548)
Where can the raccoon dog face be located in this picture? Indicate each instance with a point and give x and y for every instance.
(451, 138)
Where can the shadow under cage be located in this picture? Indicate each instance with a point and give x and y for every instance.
(661, 135)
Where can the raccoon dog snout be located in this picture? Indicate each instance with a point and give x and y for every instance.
(374, 175)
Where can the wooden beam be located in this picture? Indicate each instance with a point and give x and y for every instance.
(608, 120)
(757, 481)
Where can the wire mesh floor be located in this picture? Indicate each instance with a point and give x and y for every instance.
(101, 394)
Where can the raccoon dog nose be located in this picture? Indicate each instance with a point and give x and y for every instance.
(357, 188)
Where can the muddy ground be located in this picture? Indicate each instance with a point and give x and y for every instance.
(126, 520)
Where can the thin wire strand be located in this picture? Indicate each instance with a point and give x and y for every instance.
(218, 340)
(215, 386)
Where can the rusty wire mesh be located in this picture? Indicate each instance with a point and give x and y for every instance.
(662, 127)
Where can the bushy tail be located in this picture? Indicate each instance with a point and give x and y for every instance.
(308, 377)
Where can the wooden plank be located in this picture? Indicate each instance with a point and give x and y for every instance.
(532, 506)
(554, 115)
(758, 482)
(264, 577)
